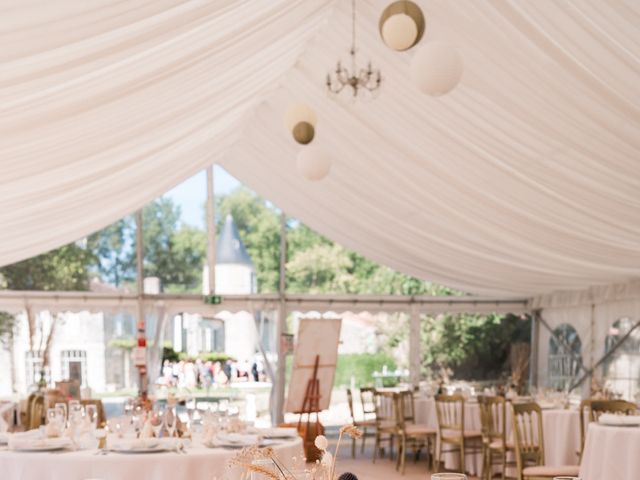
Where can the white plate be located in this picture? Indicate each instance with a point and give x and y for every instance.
(156, 449)
(40, 448)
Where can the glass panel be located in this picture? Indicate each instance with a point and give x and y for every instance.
(622, 368)
(565, 361)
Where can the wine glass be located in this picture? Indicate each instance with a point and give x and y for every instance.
(157, 419)
(137, 419)
(448, 476)
(129, 405)
(91, 413)
(76, 412)
(61, 409)
(190, 404)
(171, 421)
(54, 427)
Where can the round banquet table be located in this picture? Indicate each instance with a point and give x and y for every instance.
(561, 430)
(611, 453)
(200, 463)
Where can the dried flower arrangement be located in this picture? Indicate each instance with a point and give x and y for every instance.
(323, 469)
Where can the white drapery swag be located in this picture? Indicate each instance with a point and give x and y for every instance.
(523, 180)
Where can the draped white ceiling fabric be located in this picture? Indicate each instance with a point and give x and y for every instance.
(523, 180)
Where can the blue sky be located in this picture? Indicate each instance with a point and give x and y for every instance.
(191, 194)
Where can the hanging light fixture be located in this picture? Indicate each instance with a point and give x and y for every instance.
(401, 25)
(358, 79)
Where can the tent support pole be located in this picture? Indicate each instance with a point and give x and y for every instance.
(414, 346)
(211, 233)
(277, 406)
(604, 358)
(535, 340)
(142, 341)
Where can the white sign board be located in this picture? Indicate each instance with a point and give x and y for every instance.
(316, 337)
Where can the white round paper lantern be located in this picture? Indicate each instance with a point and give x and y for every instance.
(436, 68)
(399, 32)
(313, 163)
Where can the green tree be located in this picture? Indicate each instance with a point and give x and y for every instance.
(112, 247)
(7, 324)
(65, 268)
(472, 346)
(321, 268)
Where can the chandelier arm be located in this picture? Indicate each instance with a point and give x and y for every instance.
(356, 78)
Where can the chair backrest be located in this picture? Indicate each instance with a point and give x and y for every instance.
(26, 420)
(36, 412)
(350, 402)
(386, 408)
(368, 401)
(405, 410)
(598, 407)
(527, 434)
(450, 412)
(493, 414)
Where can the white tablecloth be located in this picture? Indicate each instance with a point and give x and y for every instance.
(611, 453)
(200, 463)
(561, 429)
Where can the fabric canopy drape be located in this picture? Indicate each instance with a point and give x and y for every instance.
(523, 180)
(106, 105)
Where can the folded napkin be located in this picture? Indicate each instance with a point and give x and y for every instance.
(18, 442)
(276, 432)
(621, 420)
(133, 444)
(236, 439)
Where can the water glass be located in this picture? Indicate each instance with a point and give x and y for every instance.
(52, 415)
(91, 413)
(448, 476)
(61, 408)
(76, 412)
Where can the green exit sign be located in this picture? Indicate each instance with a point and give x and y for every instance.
(212, 299)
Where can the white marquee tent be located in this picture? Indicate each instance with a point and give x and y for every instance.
(521, 182)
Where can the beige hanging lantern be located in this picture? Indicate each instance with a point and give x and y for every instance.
(300, 120)
(401, 25)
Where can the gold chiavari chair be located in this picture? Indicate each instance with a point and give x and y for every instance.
(592, 409)
(493, 416)
(368, 416)
(25, 416)
(451, 431)
(36, 412)
(410, 433)
(529, 443)
(386, 428)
